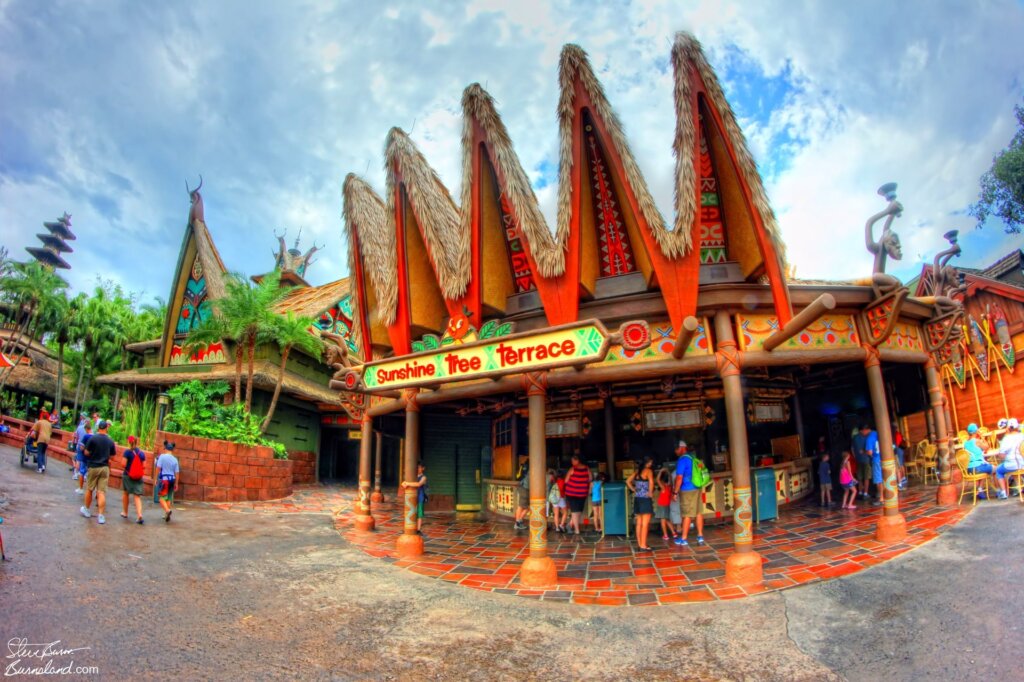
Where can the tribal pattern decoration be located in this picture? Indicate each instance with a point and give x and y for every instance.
(743, 516)
(195, 304)
(905, 336)
(207, 355)
(979, 346)
(455, 335)
(880, 318)
(615, 249)
(1000, 329)
(712, 228)
(338, 320)
(829, 332)
(522, 272)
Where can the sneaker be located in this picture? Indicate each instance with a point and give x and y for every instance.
(124, 516)
(44, 470)
(100, 519)
(681, 542)
(903, 482)
(167, 518)
(139, 521)
(1001, 495)
(84, 512)
(39, 471)
(982, 496)
(876, 503)
(700, 539)
(79, 491)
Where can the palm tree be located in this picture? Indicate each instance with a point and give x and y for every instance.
(291, 332)
(67, 310)
(36, 290)
(246, 317)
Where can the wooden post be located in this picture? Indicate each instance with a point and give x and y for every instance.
(743, 567)
(798, 421)
(686, 331)
(538, 569)
(363, 519)
(410, 543)
(956, 413)
(378, 495)
(946, 494)
(801, 321)
(891, 526)
(609, 437)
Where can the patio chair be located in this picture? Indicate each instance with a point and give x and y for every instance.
(973, 479)
(912, 462)
(1019, 475)
(928, 461)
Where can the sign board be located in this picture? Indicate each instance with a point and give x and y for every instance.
(355, 434)
(579, 343)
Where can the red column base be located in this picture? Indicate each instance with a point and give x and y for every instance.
(946, 495)
(744, 568)
(891, 529)
(377, 497)
(409, 546)
(365, 523)
(538, 572)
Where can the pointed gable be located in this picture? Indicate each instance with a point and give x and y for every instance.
(372, 265)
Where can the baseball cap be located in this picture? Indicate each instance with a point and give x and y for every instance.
(682, 444)
(1001, 424)
(104, 424)
(132, 440)
(1012, 424)
(972, 428)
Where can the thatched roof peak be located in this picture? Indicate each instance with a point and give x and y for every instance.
(436, 213)
(478, 106)
(366, 221)
(687, 51)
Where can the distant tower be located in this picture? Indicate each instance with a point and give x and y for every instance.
(292, 263)
(54, 243)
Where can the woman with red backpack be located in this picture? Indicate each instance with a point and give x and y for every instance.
(131, 478)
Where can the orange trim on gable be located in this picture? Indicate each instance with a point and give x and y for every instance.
(364, 318)
(399, 331)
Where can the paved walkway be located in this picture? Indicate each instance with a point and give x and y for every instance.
(806, 544)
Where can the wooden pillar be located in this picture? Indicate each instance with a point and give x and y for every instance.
(955, 421)
(743, 567)
(538, 569)
(946, 494)
(363, 519)
(798, 418)
(891, 526)
(378, 495)
(410, 543)
(609, 437)
(929, 422)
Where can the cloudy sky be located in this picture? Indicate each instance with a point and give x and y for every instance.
(108, 108)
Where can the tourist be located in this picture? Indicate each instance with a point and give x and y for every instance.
(561, 513)
(550, 498)
(1009, 452)
(523, 495)
(98, 451)
(597, 502)
(661, 509)
(131, 478)
(873, 452)
(421, 493)
(825, 480)
(899, 448)
(848, 482)
(641, 483)
(80, 468)
(577, 487)
(43, 431)
(167, 474)
(863, 458)
(96, 419)
(689, 495)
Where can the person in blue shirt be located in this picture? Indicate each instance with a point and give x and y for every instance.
(689, 495)
(873, 451)
(975, 447)
(863, 459)
(825, 480)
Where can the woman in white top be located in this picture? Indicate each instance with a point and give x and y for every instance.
(1009, 452)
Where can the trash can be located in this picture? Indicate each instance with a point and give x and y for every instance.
(615, 522)
(765, 503)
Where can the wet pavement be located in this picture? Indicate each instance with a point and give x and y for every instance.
(271, 595)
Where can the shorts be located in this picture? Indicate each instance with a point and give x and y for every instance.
(643, 505)
(1002, 470)
(660, 512)
(876, 470)
(899, 456)
(80, 465)
(419, 510)
(576, 504)
(825, 482)
(595, 503)
(561, 503)
(96, 479)
(689, 503)
(985, 468)
(864, 470)
(851, 484)
(131, 487)
(673, 512)
(524, 498)
(167, 490)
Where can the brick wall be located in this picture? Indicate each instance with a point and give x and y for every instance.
(211, 470)
(303, 466)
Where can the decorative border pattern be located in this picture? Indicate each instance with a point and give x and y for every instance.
(827, 333)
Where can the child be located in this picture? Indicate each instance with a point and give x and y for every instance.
(421, 493)
(561, 509)
(848, 482)
(825, 480)
(167, 474)
(596, 501)
(664, 501)
(80, 469)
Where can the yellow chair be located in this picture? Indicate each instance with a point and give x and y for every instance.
(974, 479)
(1018, 474)
(912, 462)
(929, 461)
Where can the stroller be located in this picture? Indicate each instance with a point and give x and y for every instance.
(29, 453)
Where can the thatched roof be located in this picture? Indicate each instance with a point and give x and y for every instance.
(574, 65)
(213, 266)
(312, 301)
(436, 213)
(265, 375)
(35, 379)
(142, 346)
(685, 52)
(366, 221)
(478, 106)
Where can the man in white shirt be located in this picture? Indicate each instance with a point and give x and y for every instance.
(1009, 452)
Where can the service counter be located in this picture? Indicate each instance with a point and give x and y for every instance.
(793, 482)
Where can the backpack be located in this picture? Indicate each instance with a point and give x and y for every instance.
(553, 495)
(698, 472)
(135, 470)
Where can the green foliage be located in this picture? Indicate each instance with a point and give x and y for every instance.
(136, 419)
(1002, 186)
(198, 410)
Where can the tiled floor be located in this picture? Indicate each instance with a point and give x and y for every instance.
(804, 545)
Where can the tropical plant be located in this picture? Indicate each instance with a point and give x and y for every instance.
(289, 332)
(1002, 185)
(33, 290)
(138, 418)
